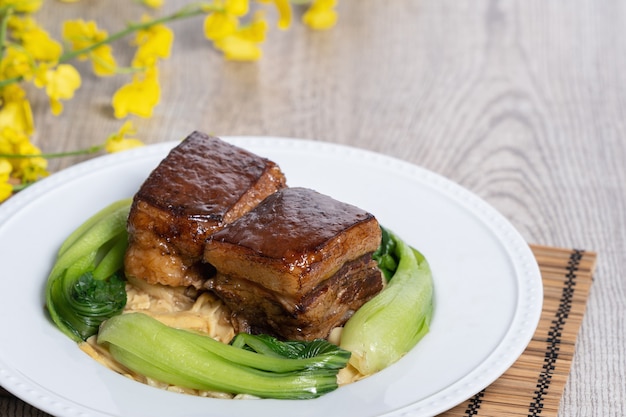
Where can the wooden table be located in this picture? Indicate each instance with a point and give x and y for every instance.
(523, 103)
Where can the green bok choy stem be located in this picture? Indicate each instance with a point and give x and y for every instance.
(86, 285)
(191, 360)
(390, 324)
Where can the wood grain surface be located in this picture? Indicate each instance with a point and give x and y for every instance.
(521, 102)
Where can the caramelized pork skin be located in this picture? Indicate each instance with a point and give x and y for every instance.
(297, 265)
(203, 184)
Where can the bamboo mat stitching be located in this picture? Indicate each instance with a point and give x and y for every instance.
(474, 404)
(555, 334)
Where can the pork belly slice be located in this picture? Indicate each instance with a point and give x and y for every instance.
(203, 184)
(297, 265)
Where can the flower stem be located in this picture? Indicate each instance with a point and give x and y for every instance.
(4, 22)
(21, 186)
(86, 151)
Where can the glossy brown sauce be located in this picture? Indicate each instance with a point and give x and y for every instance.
(179, 183)
(292, 224)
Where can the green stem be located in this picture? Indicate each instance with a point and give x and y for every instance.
(20, 187)
(4, 22)
(86, 151)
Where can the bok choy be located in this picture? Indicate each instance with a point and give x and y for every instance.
(86, 285)
(257, 365)
(390, 324)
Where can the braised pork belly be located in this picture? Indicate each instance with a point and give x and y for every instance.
(296, 266)
(202, 185)
(289, 262)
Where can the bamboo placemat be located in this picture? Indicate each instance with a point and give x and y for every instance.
(533, 386)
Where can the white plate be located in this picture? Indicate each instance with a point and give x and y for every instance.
(488, 290)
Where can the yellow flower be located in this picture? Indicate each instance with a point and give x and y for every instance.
(119, 142)
(24, 169)
(18, 25)
(41, 47)
(103, 61)
(284, 12)
(256, 30)
(35, 40)
(153, 43)
(139, 97)
(8, 139)
(16, 63)
(155, 4)
(243, 43)
(219, 25)
(15, 111)
(6, 189)
(239, 49)
(23, 6)
(5, 168)
(30, 169)
(60, 84)
(321, 14)
(82, 35)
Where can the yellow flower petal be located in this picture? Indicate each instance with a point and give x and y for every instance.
(16, 63)
(103, 62)
(284, 13)
(40, 76)
(155, 4)
(219, 25)
(24, 169)
(41, 47)
(239, 49)
(127, 129)
(321, 15)
(6, 189)
(23, 6)
(17, 115)
(29, 169)
(82, 34)
(62, 81)
(122, 145)
(119, 142)
(16, 112)
(236, 7)
(5, 168)
(153, 43)
(18, 25)
(139, 97)
(60, 84)
(56, 107)
(256, 31)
